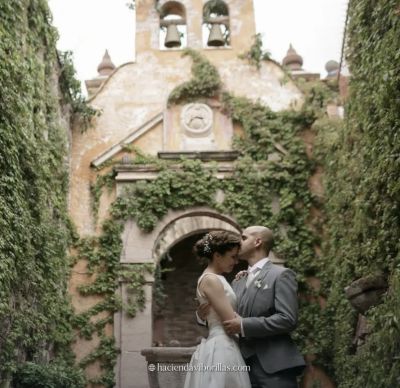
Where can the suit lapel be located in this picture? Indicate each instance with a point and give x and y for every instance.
(240, 289)
(252, 290)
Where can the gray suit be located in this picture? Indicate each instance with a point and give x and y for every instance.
(269, 309)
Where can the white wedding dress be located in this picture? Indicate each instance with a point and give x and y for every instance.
(217, 361)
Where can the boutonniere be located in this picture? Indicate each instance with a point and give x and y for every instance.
(257, 283)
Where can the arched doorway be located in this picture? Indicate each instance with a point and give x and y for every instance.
(174, 304)
(174, 321)
(173, 237)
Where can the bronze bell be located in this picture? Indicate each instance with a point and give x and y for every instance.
(173, 38)
(216, 39)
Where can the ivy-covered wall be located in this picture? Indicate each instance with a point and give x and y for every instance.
(36, 91)
(362, 179)
(269, 185)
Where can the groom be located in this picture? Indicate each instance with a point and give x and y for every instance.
(266, 314)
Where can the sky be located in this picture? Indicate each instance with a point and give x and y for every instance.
(89, 27)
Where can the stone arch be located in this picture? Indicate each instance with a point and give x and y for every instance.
(141, 247)
(193, 222)
(173, 323)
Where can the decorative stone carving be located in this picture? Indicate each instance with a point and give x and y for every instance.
(197, 119)
(363, 294)
(366, 292)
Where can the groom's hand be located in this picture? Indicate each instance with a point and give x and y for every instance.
(233, 326)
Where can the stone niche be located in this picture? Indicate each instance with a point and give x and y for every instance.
(197, 126)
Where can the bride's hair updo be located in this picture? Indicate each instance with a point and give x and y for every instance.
(216, 241)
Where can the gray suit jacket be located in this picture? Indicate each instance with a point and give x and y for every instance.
(269, 310)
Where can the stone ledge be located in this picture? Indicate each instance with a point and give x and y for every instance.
(134, 172)
(168, 354)
(202, 155)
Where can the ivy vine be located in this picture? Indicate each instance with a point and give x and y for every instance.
(256, 54)
(362, 175)
(35, 312)
(205, 83)
(71, 89)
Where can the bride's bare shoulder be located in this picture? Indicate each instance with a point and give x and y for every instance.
(209, 280)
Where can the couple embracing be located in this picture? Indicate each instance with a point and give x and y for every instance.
(250, 321)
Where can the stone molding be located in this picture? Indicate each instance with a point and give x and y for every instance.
(132, 173)
(186, 226)
(141, 130)
(202, 155)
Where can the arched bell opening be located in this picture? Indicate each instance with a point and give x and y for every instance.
(174, 293)
(173, 29)
(216, 28)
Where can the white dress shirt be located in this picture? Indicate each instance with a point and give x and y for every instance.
(259, 264)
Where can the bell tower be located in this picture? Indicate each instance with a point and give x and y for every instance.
(209, 25)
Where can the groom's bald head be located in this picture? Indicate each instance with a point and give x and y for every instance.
(264, 233)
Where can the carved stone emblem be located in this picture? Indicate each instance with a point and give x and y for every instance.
(197, 119)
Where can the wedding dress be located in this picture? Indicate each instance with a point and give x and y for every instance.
(217, 361)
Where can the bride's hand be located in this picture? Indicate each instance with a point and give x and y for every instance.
(240, 274)
(203, 310)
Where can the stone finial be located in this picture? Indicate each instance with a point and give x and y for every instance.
(332, 67)
(292, 60)
(106, 66)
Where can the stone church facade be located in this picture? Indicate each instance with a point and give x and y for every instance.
(134, 113)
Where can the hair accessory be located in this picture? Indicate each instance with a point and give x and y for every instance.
(207, 241)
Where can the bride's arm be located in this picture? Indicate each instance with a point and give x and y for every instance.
(213, 289)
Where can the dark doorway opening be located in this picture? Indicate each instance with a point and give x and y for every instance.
(174, 319)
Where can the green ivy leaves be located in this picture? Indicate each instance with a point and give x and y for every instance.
(362, 172)
(205, 83)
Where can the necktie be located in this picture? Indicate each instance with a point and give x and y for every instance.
(251, 275)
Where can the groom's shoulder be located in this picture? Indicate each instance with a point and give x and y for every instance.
(279, 270)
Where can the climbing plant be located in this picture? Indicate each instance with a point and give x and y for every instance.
(256, 54)
(35, 313)
(205, 83)
(71, 89)
(362, 175)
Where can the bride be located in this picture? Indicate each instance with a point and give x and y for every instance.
(217, 361)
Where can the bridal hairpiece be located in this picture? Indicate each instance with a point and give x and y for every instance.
(207, 241)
